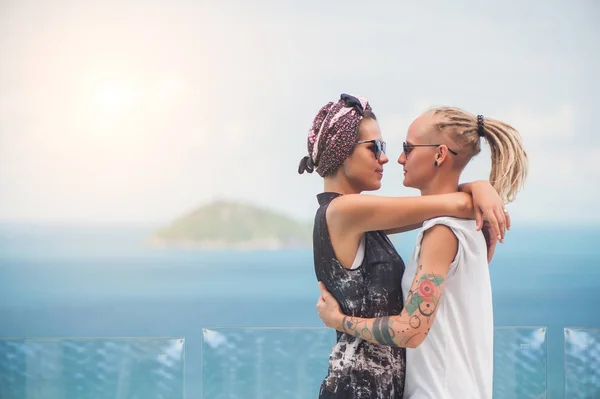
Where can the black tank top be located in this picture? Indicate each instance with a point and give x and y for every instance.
(357, 368)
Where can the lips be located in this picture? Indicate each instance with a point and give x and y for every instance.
(379, 171)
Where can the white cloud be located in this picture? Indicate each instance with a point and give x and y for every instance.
(542, 127)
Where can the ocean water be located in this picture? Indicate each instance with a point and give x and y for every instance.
(103, 281)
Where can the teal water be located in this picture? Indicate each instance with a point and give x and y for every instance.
(65, 281)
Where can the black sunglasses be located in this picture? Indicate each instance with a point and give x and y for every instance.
(409, 147)
(377, 149)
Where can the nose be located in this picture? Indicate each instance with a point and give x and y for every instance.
(402, 158)
(383, 159)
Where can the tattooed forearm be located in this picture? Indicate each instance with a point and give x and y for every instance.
(383, 331)
(410, 327)
(357, 327)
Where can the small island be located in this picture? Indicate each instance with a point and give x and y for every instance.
(233, 225)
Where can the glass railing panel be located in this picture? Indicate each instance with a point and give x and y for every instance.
(582, 363)
(103, 368)
(520, 362)
(265, 363)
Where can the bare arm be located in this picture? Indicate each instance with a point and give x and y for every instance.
(354, 214)
(408, 329)
(487, 202)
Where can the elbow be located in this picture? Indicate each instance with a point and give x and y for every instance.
(416, 340)
(465, 204)
(413, 344)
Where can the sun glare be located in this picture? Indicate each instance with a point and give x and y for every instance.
(114, 97)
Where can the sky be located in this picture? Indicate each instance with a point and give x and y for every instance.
(140, 111)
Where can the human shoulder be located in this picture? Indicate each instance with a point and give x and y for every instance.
(438, 241)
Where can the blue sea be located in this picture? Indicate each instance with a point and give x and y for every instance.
(66, 281)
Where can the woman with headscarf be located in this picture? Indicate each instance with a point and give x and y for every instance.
(447, 319)
(353, 255)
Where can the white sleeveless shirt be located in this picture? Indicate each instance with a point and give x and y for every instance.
(456, 359)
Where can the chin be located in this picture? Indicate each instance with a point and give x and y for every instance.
(374, 187)
(408, 183)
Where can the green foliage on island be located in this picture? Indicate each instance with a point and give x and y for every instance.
(226, 224)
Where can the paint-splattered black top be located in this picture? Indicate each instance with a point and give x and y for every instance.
(359, 369)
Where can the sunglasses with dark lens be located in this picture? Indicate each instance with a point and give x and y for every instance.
(377, 149)
(409, 147)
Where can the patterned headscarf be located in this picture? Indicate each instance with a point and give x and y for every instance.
(333, 135)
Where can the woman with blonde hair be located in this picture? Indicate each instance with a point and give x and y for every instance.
(354, 257)
(447, 320)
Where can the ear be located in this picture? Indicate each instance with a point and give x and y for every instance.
(441, 154)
